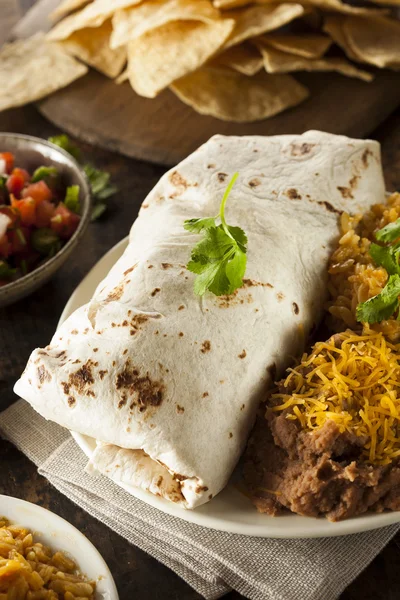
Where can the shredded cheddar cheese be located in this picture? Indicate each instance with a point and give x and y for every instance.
(353, 380)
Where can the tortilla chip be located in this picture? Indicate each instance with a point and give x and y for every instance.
(230, 96)
(342, 7)
(256, 20)
(131, 23)
(93, 15)
(227, 4)
(245, 59)
(333, 26)
(376, 40)
(169, 52)
(32, 68)
(276, 61)
(92, 46)
(123, 77)
(307, 45)
(66, 7)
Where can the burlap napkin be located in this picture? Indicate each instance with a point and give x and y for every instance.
(212, 562)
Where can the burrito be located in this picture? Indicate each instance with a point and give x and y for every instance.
(168, 382)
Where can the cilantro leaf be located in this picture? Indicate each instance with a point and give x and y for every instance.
(219, 258)
(63, 141)
(197, 225)
(381, 306)
(97, 211)
(389, 233)
(386, 257)
(72, 199)
(101, 189)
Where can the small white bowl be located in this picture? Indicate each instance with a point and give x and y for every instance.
(53, 531)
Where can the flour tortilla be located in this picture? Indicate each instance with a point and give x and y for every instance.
(149, 366)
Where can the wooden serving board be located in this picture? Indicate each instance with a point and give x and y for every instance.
(165, 130)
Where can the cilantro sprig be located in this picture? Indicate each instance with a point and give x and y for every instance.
(386, 303)
(99, 181)
(219, 258)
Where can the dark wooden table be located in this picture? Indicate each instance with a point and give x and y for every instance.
(31, 323)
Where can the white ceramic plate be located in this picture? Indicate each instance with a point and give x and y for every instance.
(52, 530)
(231, 510)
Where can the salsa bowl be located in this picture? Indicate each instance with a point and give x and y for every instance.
(31, 153)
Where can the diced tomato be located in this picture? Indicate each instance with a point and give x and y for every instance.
(5, 247)
(19, 239)
(44, 212)
(26, 208)
(39, 191)
(12, 214)
(64, 222)
(17, 180)
(8, 159)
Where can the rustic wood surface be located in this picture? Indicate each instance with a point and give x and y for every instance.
(31, 322)
(164, 130)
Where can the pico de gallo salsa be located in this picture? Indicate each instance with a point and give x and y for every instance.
(38, 215)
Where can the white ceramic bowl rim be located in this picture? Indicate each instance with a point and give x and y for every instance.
(61, 535)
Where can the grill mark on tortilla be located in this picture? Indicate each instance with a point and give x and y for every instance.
(211, 166)
(210, 496)
(155, 291)
(180, 184)
(181, 307)
(145, 205)
(200, 488)
(301, 149)
(177, 180)
(123, 401)
(243, 354)
(180, 409)
(74, 332)
(232, 299)
(222, 177)
(116, 293)
(81, 379)
(148, 392)
(71, 401)
(205, 347)
(205, 394)
(242, 407)
(166, 265)
(102, 374)
(345, 191)
(354, 181)
(150, 266)
(130, 270)
(296, 309)
(180, 334)
(230, 435)
(293, 194)
(95, 349)
(159, 481)
(42, 374)
(280, 296)
(329, 206)
(254, 283)
(364, 158)
(254, 182)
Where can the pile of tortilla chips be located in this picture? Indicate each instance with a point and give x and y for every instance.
(232, 59)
